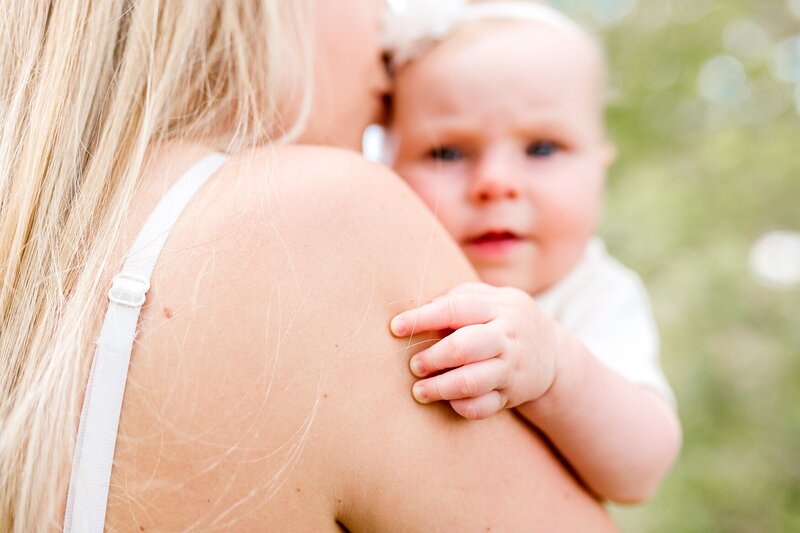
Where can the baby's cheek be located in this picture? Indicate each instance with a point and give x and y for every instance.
(440, 198)
(574, 224)
(421, 187)
(575, 209)
(448, 213)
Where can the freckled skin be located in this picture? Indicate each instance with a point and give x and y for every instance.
(500, 128)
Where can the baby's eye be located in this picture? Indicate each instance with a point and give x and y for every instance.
(542, 149)
(447, 153)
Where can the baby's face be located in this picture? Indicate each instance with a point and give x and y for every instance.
(500, 131)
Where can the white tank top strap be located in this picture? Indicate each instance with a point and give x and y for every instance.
(97, 431)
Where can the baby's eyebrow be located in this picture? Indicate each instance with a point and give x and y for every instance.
(451, 129)
(551, 124)
(453, 121)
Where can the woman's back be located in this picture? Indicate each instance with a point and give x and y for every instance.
(265, 391)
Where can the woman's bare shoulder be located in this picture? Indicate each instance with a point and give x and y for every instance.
(267, 392)
(330, 214)
(336, 189)
(321, 176)
(288, 261)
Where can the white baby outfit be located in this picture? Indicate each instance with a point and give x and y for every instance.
(605, 305)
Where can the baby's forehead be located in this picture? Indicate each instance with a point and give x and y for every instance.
(519, 47)
(522, 34)
(491, 73)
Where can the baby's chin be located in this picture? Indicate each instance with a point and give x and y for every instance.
(520, 277)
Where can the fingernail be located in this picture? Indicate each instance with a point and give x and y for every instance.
(419, 393)
(399, 326)
(417, 367)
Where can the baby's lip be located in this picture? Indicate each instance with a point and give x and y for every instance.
(493, 236)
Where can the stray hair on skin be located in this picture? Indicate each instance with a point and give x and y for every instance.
(97, 70)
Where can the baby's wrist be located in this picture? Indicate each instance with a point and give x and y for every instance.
(568, 375)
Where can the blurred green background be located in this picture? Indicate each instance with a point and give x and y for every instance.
(705, 109)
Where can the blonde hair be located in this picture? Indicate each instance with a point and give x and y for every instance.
(85, 88)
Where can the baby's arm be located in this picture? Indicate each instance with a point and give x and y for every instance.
(621, 438)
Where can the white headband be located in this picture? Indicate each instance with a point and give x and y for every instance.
(409, 32)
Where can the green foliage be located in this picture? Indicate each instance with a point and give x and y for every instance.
(695, 184)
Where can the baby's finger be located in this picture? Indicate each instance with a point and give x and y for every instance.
(448, 312)
(473, 287)
(480, 407)
(464, 382)
(466, 345)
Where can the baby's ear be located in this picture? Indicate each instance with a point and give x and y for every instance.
(609, 154)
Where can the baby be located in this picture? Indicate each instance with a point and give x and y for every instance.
(498, 126)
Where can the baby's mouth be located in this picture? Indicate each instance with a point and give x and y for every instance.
(494, 237)
(492, 246)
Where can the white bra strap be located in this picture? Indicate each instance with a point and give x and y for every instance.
(97, 433)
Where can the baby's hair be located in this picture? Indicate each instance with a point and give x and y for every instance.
(524, 11)
(412, 31)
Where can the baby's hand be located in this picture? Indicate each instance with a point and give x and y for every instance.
(501, 354)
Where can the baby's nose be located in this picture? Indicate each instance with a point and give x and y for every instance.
(496, 179)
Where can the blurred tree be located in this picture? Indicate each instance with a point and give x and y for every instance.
(703, 106)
